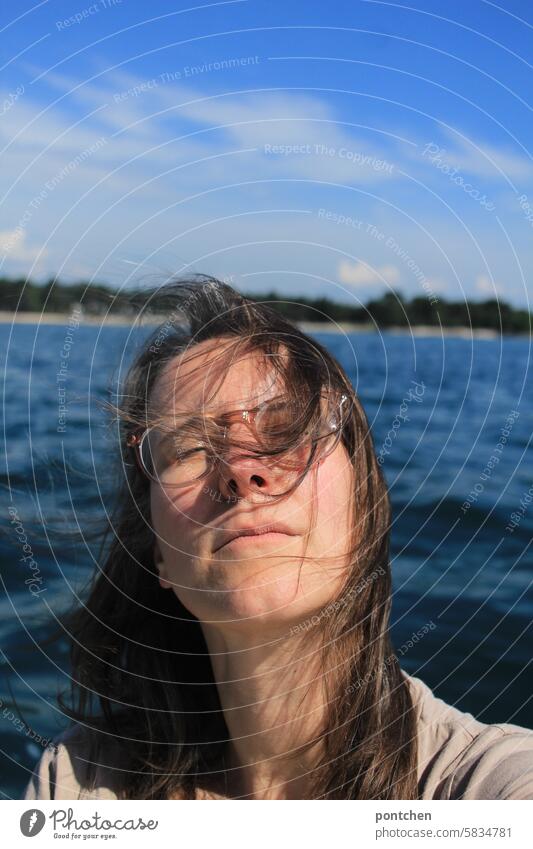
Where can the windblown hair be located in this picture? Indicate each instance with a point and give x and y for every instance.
(141, 670)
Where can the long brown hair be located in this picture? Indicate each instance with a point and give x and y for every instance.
(160, 705)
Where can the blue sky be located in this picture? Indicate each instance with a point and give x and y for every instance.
(321, 149)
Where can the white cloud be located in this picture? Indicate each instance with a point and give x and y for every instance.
(487, 286)
(13, 245)
(361, 274)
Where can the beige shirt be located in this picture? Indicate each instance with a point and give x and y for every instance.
(459, 758)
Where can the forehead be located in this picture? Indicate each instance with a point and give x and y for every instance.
(215, 374)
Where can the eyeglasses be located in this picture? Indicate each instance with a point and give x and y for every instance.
(189, 451)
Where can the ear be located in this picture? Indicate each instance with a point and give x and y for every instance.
(161, 569)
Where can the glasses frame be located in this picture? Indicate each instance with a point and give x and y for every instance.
(135, 439)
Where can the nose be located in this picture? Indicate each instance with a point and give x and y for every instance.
(242, 474)
(245, 477)
(252, 477)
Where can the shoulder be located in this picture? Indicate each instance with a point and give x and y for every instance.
(462, 758)
(73, 766)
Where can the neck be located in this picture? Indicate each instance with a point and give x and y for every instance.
(274, 703)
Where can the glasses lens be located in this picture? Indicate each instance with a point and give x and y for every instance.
(299, 432)
(172, 459)
(276, 421)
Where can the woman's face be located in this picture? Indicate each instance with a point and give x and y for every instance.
(255, 581)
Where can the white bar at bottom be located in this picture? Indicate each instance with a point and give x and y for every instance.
(269, 824)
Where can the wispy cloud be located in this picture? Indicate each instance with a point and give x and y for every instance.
(177, 155)
(284, 134)
(476, 157)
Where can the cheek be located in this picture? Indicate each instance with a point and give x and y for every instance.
(176, 520)
(334, 484)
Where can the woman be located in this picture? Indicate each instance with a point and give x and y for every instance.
(235, 643)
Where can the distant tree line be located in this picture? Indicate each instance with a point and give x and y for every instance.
(389, 310)
(393, 310)
(96, 299)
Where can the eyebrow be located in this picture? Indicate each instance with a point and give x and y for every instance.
(216, 414)
(183, 423)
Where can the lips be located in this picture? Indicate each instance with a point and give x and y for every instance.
(258, 530)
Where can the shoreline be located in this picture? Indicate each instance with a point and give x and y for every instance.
(64, 319)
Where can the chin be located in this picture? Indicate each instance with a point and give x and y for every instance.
(260, 597)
